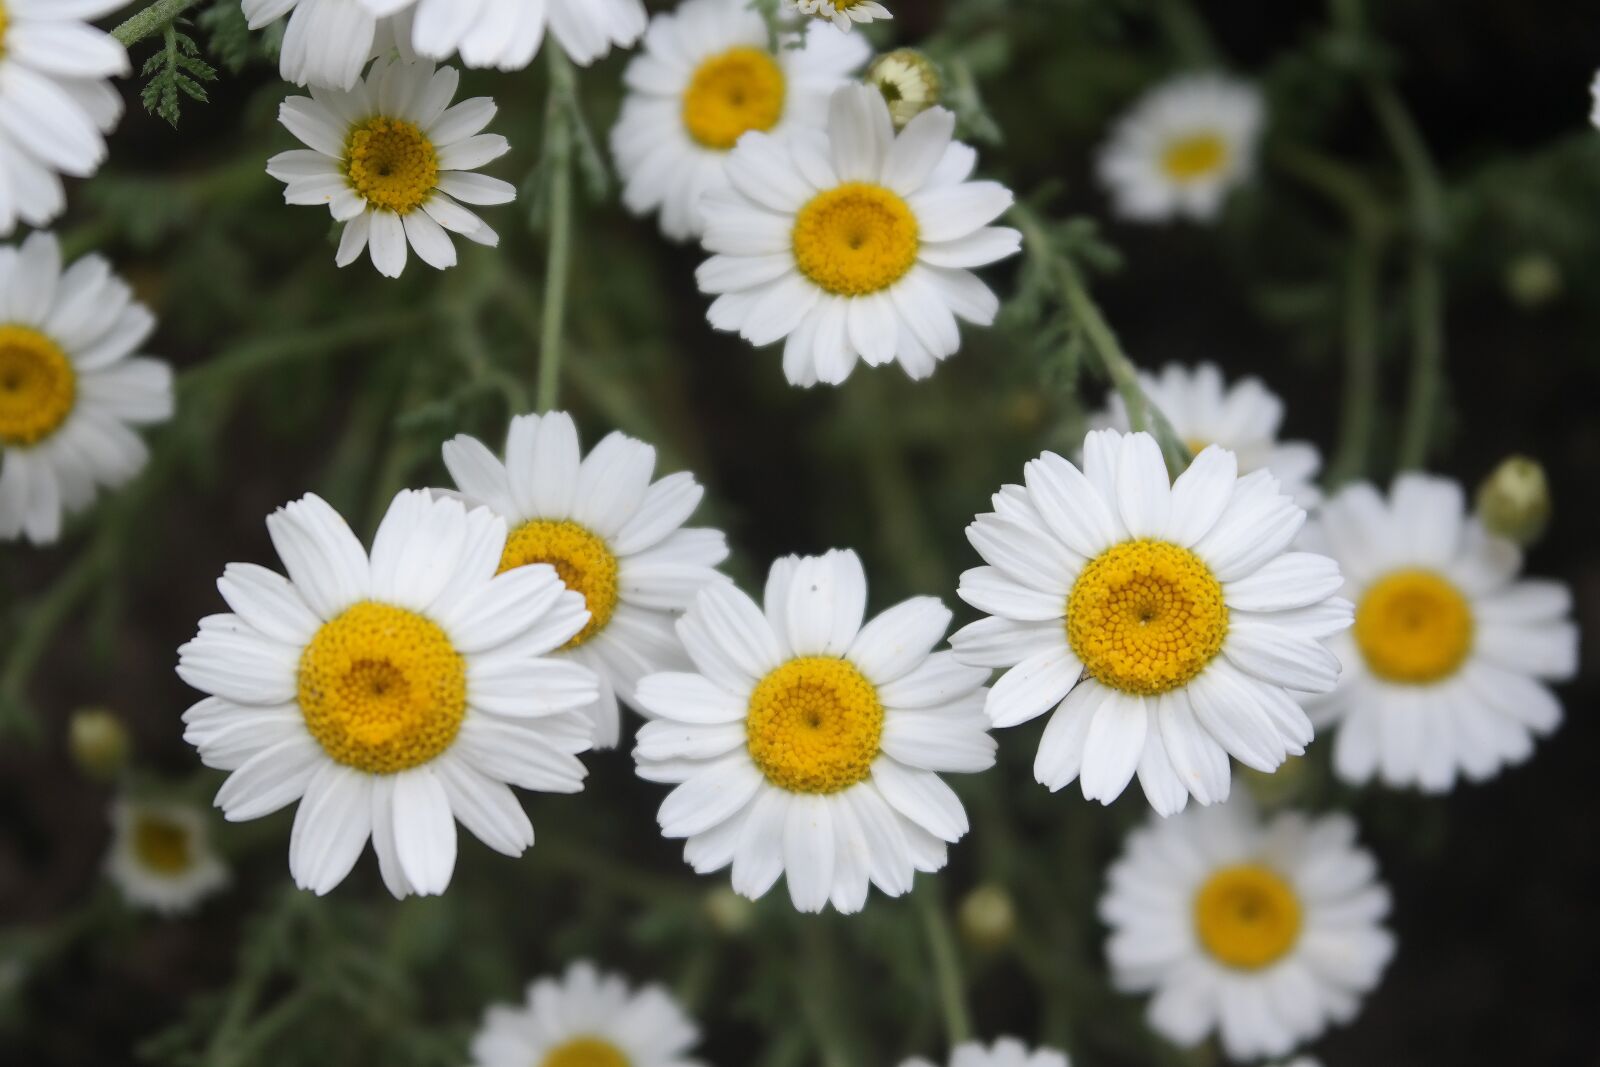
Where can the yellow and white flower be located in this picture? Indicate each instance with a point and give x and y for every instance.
(71, 390)
(507, 33)
(391, 694)
(1265, 933)
(1167, 623)
(394, 161)
(326, 43)
(1182, 148)
(1006, 1052)
(809, 744)
(587, 1019)
(55, 103)
(1446, 670)
(161, 856)
(844, 14)
(706, 77)
(854, 243)
(614, 537)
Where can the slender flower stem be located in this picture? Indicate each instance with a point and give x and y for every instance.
(1360, 361)
(152, 19)
(558, 157)
(1427, 358)
(33, 639)
(946, 967)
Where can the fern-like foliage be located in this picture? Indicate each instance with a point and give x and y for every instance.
(175, 72)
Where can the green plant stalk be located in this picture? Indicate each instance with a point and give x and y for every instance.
(35, 634)
(946, 967)
(558, 266)
(1360, 401)
(1187, 33)
(1427, 358)
(153, 19)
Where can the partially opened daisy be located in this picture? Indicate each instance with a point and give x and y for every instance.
(844, 14)
(71, 390)
(1166, 623)
(706, 77)
(615, 538)
(854, 243)
(1264, 933)
(326, 42)
(810, 745)
(161, 856)
(55, 103)
(1183, 148)
(1448, 666)
(393, 161)
(507, 33)
(391, 694)
(1006, 1052)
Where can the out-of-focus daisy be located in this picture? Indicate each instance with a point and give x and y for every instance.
(853, 242)
(507, 33)
(706, 77)
(393, 161)
(55, 103)
(587, 1019)
(842, 13)
(1166, 622)
(1243, 418)
(809, 744)
(161, 856)
(614, 537)
(1594, 98)
(909, 83)
(392, 694)
(1446, 668)
(1265, 933)
(1006, 1052)
(326, 42)
(1182, 148)
(71, 390)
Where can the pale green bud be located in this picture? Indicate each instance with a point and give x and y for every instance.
(987, 919)
(908, 81)
(98, 743)
(1514, 501)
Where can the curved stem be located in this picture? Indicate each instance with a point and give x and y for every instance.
(558, 157)
(946, 968)
(1360, 361)
(1427, 358)
(34, 637)
(153, 19)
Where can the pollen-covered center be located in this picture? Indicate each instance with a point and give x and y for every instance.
(585, 1052)
(1146, 617)
(731, 94)
(382, 689)
(584, 562)
(162, 845)
(391, 164)
(855, 239)
(814, 725)
(38, 386)
(1200, 155)
(1247, 916)
(1413, 627)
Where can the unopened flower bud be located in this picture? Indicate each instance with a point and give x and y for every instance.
(987, 918)
(908, 81)
(1533, 279)
(98, 743)
(1514, 501)
(729, 913)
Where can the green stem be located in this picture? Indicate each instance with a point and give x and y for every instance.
(153, 19)
(42, 621)
(558, 157)
(1187, 33)
(1360, 361)
(1427, 358)
(946, 967)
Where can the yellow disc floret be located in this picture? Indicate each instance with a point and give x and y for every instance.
(391, 164)
(1247, 916)
(38, 386)
(855, 239)
(585, 1052)
(1413, 627)
(584, 562)
(1197, 156)
(1146, 617)
(162, 845)
(815, 725)
(731, 94)
(382, 689)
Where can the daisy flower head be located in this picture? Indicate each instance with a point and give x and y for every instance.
(506, 34)
(391, 693)
(909, 82)
(55, 103)
(1006, 1052)
(71, 390)
(1264, 932)
(810, 745)
(1182, 148)
(587, 1019)
(844, 14)
(615, 538)
(853, 242)
(1448, 665)
(1166, 622)
(706, 77)
(161, 856)
(393, 161)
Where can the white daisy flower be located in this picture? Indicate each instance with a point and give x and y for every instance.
(705, 78)
(161, 856)
(1006, 1052)
(1243, 418)
(507, 33)
(809, 744)
(1265, 933)
(71, 390)
(1446, 670)
(844, 14)
(1183, 147)
(614, 537)
(1166, 623)
(389, 692)
(853, 242)
(326, 43)
(587, 1019)
(55, 103)
(393, 161)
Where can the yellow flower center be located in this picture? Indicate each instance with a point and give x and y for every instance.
(382, 689)
(585, 1052)
(731, 94)
(37, 383)
(391, 164)
(814, 726)
(162, 845)
(584, 562)
(1413, 627)
(855, 239)
(1146, 617)
(1197, 156)
(1247, 916)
